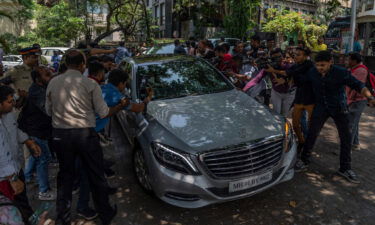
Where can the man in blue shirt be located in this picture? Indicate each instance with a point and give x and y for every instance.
(112, 94)
(328, 82)
(121, 53)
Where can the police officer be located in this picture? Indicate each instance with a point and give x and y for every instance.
(20, 76)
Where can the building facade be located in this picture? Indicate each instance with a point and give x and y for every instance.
(162, 13)
(7, 25)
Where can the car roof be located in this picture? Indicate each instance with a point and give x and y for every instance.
(159, 58)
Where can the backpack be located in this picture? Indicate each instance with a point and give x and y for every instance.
(370, 82)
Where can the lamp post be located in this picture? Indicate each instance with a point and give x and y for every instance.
(352, 25)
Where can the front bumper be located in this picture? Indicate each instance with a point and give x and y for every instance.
(189, 191)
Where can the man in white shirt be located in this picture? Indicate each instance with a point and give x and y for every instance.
(73, 101)
(11, 153)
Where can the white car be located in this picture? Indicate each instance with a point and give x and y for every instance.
(47, 52)
(10, 61)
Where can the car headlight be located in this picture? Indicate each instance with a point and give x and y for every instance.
(288, 142)
(173, 159)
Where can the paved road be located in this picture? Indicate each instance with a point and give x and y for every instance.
(313, 197)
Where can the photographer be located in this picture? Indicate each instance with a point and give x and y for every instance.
(223, 60)
(255, 44)
(304, 100)
(246, 69)
(283, 91)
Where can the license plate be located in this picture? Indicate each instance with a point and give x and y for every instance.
(250, 182)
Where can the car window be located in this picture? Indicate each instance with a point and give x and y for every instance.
(6, 58)
(180, 78)
(49, 52)
(44, 51)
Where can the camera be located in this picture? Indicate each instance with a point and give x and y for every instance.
(266, 62)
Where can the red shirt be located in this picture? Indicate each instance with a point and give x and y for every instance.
(360, 72)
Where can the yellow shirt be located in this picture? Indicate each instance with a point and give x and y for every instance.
(318, 48)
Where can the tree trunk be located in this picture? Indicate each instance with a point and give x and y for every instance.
(148, 32)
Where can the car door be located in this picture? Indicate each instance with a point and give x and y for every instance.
(127, 119)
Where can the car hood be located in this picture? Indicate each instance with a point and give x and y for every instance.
(215, 120)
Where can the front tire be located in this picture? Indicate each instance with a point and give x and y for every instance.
(141, 171)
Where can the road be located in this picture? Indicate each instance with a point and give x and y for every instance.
(313, 197)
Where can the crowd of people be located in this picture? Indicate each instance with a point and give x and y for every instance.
(60, 113)
(288, 80)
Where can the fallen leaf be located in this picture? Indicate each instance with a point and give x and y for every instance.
(293, 204)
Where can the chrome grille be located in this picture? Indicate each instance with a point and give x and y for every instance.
(244, 160)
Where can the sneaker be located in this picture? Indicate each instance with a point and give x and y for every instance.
(300, 166)
(87, 214)
(356, 147)
(350, 176)
(47, 196)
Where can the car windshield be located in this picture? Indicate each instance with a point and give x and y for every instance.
(180, 78)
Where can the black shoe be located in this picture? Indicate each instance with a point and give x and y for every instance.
(87, 214)
(109, 173)
(108, 219)
(301, 166)
(350, 176)
(112, 190)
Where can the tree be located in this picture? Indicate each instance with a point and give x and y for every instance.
(328, 10)
(21, 12)
(57, 26)
(241, 17)
(286, 22)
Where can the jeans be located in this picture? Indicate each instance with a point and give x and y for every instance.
(318, 119)
(82, 144)
(40, 164)
(282, 101)
(305, 123)
(355, 112)
(298, 112)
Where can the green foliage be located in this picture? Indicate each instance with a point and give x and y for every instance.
(57, 26)
(286, 22)
(241, 17)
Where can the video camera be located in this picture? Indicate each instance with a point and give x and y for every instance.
(266, 62)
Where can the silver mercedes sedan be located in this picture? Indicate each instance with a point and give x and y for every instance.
(201, 140)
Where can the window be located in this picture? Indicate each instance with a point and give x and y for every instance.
(277, 7)
(369, 5)
(162, 15)
(156, 15)
(304, 11)
(296, 10)
(287, 8)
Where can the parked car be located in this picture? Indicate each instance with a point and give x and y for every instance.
(231, 41)
(49, 51)
(162, 49)
(10, 61)
(202, 141)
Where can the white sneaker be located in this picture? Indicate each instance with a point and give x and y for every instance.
(47, 196)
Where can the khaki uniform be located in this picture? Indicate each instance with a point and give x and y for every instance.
(21, 77)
